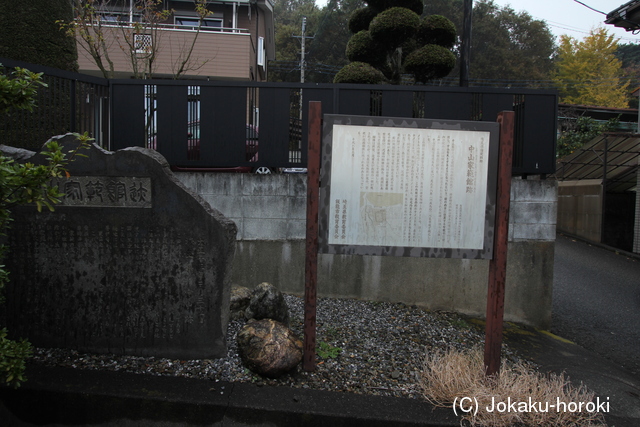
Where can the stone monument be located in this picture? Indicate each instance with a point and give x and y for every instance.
(130, 262)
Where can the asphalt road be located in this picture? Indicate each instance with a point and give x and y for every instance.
(596, 300)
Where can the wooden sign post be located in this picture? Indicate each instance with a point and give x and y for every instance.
(311, 259)
(498, 264)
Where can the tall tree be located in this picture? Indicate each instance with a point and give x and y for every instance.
(390, 39)
(288, 16)
(588, 71)
(629, 54)
(507, 47)
(327, 49)
(29, 32)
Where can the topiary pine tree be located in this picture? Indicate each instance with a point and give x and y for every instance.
(390, 39)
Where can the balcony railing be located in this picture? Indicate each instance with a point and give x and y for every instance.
(173, 27)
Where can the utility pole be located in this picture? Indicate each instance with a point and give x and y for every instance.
(303, 38)
(304, 30)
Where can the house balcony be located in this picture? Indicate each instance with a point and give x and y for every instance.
(217, 53)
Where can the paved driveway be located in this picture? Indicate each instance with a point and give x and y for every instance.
(596, 300)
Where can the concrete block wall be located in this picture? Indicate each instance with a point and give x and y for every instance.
(533, 210)
(270, 212)
(264, 207)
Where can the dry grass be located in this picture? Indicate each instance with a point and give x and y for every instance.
(449, 376)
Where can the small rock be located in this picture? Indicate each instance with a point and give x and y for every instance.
(269, 348)
(240, 297)
(267, 302)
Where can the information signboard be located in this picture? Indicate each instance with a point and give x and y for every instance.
(408, 187)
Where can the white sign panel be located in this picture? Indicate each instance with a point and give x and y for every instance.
(394, 186)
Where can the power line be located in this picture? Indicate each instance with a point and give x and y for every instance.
(589, 7)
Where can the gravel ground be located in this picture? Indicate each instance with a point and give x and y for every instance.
(364, 347)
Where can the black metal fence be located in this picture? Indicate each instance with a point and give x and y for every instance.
(70, 102)
(206, 124)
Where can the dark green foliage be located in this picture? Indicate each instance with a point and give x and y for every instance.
(397, 35)
(12, 359)
(436, 29)
(584, 130)
(408, 47)
(29, 32)
(629, 54)
(506, 45)
(416, 6)
(430, 62)
(361, 48)
(359, 72)
(361, 18)
(379, 5)
(393, 26)
(18, 89)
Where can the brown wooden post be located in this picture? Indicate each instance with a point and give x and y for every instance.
(498, 264)
(311, 260)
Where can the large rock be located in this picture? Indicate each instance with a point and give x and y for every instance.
(239, 301)
(268, 347)
(131, 261)
(267, 302)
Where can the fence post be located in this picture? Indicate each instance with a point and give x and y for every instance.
(311, 261)
(72, 95)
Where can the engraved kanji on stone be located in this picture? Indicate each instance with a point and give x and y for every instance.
(93, 190)
(73, 190)
(138, 193)
(116, 191)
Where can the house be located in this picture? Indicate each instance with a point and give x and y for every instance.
(233, 41)
(626, 16)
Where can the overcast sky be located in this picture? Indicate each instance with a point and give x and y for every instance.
(572, 18)
(567, 16)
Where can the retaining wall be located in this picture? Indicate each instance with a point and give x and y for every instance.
(270, 212)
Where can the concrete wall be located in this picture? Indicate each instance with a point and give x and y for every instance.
(580, 208)
(270, 213)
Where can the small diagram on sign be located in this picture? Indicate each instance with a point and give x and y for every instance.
(381, 217)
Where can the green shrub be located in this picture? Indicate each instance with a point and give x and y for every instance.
(12, 359)
(18, 89)
(394, 26)
(436, 29)
(398, 42)
(379, 5)
(361, 48)
(359, 72)
(430, 62)
(416, 6)
(361, 18)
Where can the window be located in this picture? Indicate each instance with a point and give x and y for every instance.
(261, 51)
(119, 17)
(194, 22)
(142, 43)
